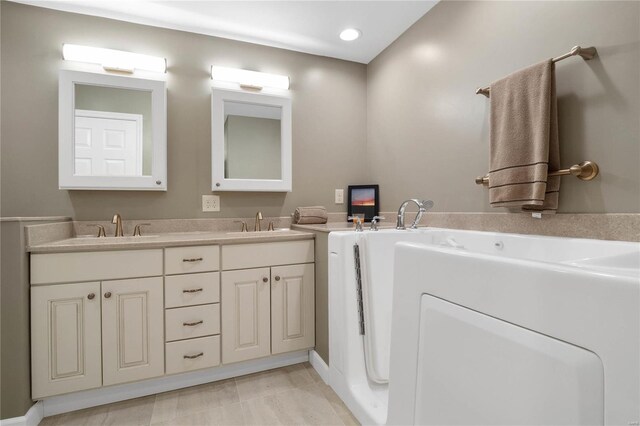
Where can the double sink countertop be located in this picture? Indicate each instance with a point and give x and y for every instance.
(173, 239)
(72, 236)
(78, 236)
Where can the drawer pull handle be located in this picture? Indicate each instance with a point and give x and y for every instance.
(193, 290)
(193, 259)
(198, 355)
(191, 324)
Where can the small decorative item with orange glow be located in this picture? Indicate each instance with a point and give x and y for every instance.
(363, 201)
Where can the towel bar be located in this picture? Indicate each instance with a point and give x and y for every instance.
(585, 52)
(586, 170)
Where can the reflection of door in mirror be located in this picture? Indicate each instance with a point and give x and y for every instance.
(252, 139)
(112, 131)
(108, 144)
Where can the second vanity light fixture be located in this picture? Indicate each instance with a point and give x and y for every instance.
(249, 79)
(114, 60)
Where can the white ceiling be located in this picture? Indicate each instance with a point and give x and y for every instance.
(304, 26)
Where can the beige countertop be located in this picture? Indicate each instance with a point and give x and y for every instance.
(176, 239)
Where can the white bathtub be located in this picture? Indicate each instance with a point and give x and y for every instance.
(581, 293)
(366, 398)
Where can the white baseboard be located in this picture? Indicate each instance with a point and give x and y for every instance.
(319, 365)
(90, 398)
(33, 417)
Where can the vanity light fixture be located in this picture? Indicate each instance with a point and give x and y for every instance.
(113, 60)
(249, 79)
(350, 34)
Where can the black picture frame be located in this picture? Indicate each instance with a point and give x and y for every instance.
(359, 199)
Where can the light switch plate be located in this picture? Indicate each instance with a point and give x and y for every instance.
(210, 203)
(339, 196)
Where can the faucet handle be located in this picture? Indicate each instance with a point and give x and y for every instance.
(270, 226)
(101, 231)
(374, 222)
(244, 225)
(358, 222)
(137, 229)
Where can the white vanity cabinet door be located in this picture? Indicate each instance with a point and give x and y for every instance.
(292, 308)
(132, 330)
(65, 338)
(246, 328)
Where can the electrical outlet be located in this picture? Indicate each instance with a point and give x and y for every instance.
(210, 203)
(339, 196)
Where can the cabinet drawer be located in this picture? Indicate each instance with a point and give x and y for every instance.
(95, 265)
(180, 260)
(194, 321)
(193, 354)
(243, 256)
(191, 289)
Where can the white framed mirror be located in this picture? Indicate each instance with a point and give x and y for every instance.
(250, 141)
(112, 132)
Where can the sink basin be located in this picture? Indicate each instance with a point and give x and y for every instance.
(279, 231)
(114, 239)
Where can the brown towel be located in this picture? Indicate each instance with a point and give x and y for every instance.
(524, 140)
(310, 215)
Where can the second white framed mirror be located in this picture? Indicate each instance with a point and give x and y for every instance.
(250, 141)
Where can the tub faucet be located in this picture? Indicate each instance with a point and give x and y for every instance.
(358, 221)
(117, 220)
(423, 206)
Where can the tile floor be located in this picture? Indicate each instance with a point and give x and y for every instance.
(293, 395)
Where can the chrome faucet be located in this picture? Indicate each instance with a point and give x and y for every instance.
(256, 227)
(358, 221)
(374, 222)
(117, 220)
(423, 206)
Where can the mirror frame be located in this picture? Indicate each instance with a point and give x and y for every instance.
(218, 181)
(66, 133)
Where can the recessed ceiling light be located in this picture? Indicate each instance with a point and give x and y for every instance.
(350, 34)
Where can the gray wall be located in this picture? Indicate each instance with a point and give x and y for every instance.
(428, 133)
(15, 359)
(329, 123)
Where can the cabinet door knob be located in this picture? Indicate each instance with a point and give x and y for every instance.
(277, 277)
(265, 279)
(91, 296)
(107, 295)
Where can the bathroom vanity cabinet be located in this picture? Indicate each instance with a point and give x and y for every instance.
(109, 317)
(267, 305)
(90, 327)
